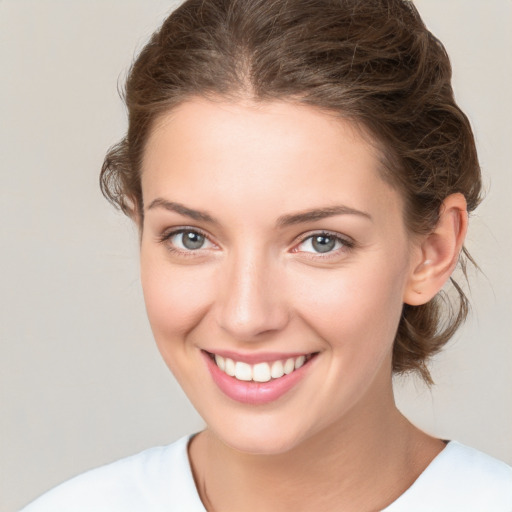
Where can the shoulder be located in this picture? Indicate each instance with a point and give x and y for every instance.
(472, 466)
(460, 478)
(148, 481)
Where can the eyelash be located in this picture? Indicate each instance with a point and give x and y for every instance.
(347, 244)
(165, 238)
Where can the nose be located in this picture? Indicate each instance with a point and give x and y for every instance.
(252, 300)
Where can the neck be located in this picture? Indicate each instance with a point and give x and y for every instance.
(364, 462)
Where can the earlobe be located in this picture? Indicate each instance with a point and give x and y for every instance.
(438, 252)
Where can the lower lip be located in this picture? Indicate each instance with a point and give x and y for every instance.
(255, 393)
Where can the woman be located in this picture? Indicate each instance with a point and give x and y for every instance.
(301, 179)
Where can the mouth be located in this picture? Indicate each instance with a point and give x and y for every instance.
(263, 371)
(258, 379)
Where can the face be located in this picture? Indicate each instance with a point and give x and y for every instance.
(274, 262)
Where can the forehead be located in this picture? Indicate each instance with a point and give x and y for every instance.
(278, 151)
(261, 127)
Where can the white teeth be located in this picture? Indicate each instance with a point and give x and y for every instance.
(221, 363)
(243, 371)
(260, 372)
(289, 366)
(230, 367)
(277, 370)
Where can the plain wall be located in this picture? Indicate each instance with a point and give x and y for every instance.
(81, 382)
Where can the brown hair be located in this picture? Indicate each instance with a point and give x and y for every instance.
(373, 62)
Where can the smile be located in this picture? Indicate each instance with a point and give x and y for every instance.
(262, 371)
(259, 379)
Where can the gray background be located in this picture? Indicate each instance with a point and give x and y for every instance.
(81, 382)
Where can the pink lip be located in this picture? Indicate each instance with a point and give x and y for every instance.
(255, 393)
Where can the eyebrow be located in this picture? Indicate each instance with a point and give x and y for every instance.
(283, 221)
(182, 210)
(319, 214)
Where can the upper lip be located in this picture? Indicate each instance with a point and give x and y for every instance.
(257, 357)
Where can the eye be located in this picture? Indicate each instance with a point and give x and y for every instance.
(321, 243)
(187, 240)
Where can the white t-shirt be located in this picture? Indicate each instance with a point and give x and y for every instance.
(160, 480)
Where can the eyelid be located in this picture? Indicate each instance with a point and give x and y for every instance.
(347, 242)
(167, 234)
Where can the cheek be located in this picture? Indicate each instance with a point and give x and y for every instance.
(175, 297)
(354, 307)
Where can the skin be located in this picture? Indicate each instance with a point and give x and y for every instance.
(257, 285)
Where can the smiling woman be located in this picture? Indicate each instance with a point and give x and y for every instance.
(293, 255)
(301, 179)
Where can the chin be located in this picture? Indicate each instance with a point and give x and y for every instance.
(274, 445)
(260, 438)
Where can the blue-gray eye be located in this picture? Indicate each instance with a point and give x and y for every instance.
(188, 240)
(192, 240)
(321, 243)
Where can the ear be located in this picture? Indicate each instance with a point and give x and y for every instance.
(134, 211)
(135, 215)
(438, 252)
